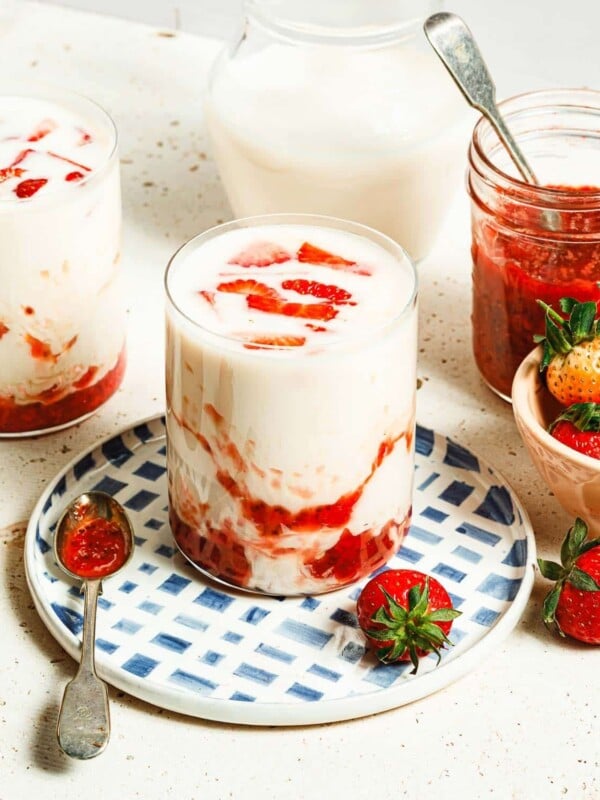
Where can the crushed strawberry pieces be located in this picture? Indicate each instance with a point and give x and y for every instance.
(4, 329)
(324, 291)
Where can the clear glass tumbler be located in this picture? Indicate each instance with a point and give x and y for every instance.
(62, 315)
(290, 456)
(533, 242)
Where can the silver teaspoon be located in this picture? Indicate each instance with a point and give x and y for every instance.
(454, 43)
(93, 541)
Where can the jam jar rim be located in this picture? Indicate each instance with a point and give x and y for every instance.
(520, 190)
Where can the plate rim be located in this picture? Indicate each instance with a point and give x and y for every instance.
(272, 713)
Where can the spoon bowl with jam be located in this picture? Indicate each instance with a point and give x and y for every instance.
(93, 541)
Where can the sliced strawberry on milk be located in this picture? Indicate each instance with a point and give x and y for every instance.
(261, 254)
(29, 187)
(309, 254)
(265, 298)
(248, 286)
(45, 127)
(320, 311)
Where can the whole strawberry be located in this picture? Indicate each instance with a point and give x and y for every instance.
(571, 356)
(573, 605)
(579, 428)
(405, 614)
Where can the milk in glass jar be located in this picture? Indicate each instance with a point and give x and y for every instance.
(339, 108)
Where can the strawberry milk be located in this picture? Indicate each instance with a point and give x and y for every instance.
(291, 360)
(62, 322)
(373, 135)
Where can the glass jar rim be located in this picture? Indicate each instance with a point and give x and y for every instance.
(296, 219)
(44, 91)
(371, 34)
(527, 104)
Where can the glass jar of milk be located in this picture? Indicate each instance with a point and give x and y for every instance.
(339, 108)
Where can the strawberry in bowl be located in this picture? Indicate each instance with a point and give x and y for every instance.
(556, 397)
(571, 357)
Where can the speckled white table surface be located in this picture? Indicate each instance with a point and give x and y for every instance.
(524, 724)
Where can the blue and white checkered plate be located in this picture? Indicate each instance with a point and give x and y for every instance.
(170, 636)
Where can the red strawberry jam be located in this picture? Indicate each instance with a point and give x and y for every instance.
(95, 549)
(518, 258)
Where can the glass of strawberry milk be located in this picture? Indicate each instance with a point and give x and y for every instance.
(291, 382)
(62, 317)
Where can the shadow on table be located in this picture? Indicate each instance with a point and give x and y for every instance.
(45, 752)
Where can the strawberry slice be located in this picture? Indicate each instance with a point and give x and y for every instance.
(45, 127)
(324, 291)
(261, 254)
(74, 176)
(208, 296)
(309, 254)
(70, 161)
(29, 187)
(320, 311)
(247, 287)
(265, 298)
(21, 156)
(275, 341)
(10, 172)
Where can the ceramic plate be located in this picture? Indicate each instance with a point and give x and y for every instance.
(170, 636)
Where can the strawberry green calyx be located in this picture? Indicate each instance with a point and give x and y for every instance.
(563, 334)
(400, 629)
(575, 544)
(584, 416)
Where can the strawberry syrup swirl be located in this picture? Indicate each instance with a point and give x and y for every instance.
(225, 554)
(61, 404)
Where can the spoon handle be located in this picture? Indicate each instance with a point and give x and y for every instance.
(454, 43)
(84, 722)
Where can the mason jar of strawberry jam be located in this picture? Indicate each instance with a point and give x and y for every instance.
(532, 242)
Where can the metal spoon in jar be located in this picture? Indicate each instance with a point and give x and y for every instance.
(454, 43)
(93, 541)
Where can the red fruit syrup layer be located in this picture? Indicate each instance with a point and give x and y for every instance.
(512, 268)
(226, 555)
(47, 410)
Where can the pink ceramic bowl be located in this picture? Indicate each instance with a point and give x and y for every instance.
(573, 478)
